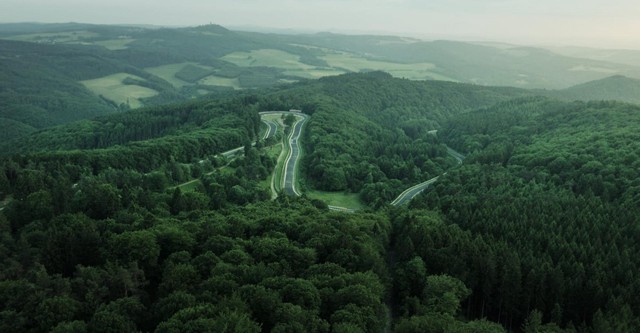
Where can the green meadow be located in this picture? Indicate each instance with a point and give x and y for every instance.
(112, 88)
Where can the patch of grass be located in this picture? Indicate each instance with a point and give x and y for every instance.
(213, 80)
(279, 169)
(266, 58)
(190, 186)
(340, 199)
(192, 73)
(168, 73)
(354, 63)
(56, 37)
(314, 73)
(112, 87)
(273, 151)
(115, 44)
(339, 63)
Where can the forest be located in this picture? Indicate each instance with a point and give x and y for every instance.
(534, 232)
(53, 74)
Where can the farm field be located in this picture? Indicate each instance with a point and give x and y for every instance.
(314, 73)
(339, 63)
(115, 44)
(354, 63)
(267, 58)
(112, 88)
(57, 37)
(168, 72)
(213, 80)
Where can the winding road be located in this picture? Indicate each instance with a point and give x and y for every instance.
(412, 191)
(288, 180)
(272, 128)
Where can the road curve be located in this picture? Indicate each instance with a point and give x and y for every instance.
(288, 181)
(272, 127)
(290, 164)
(412, 191)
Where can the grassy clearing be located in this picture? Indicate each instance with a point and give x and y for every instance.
(213, 80)
(115, 44)
(168, 72)
(279, 169)
(314, 73)
(190, 186)
(267, 58)
(355, 63)
(57, 37)
(339, 63)
(340, 199)
(274, 117)
(273, 152)
(112, 88)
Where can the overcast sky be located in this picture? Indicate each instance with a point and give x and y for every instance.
(604, 23)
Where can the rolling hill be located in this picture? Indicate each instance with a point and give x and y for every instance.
(537, 227)
(616, 87)
(57, 73)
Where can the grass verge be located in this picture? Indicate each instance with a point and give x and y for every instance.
(340, 199)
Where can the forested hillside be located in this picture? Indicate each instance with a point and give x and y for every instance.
(134, 222)
(555, 186)
(619, 88)
(57, 73)
(34, 95)
(372, 134)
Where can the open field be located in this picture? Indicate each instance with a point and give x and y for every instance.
(354, 63)
(280, 59)
(55, 37)
(112, 88)
(213, 80)
(339, 62)
(168, 72)
(314, 73)
(340, 199)
(115, 44)
(267, 58)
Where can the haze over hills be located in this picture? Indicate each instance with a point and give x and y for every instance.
(98, 69)
(394, 184)
(617, 87)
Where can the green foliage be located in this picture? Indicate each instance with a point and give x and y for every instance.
(354, 143)
(566, 173)
(542, 215)
(192, 73)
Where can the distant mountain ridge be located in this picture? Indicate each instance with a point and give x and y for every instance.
(617, 87)
(57, 73)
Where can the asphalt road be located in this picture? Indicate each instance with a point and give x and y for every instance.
(289, 174)
(272, 127)
(412, 191)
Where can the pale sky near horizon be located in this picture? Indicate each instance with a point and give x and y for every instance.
(598, 23)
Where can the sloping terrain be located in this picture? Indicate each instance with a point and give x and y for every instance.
(65, 72)
(619, 88)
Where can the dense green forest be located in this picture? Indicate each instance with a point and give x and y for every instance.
(535, 232)
(372, 134)
(555, 186)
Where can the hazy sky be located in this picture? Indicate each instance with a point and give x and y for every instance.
(608, 23)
